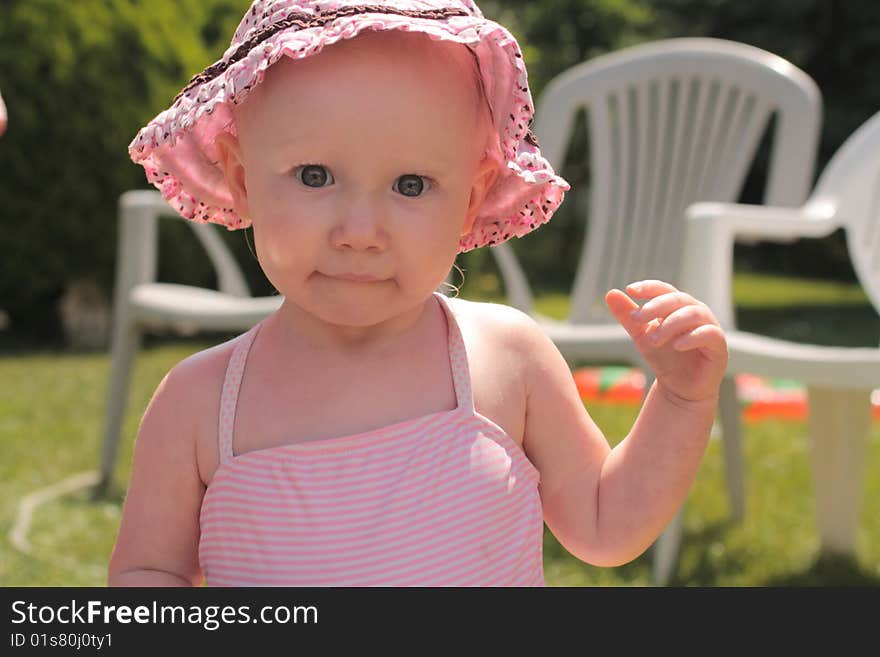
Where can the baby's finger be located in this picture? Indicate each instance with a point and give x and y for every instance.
(707, 337)
(664, 305)
(648, 289)
(683, 320)
(622, 307)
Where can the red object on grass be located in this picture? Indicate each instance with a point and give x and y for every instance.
(762, 398)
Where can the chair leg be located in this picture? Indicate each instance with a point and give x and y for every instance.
(126, 340)
(839, 421)
(731, 433)
(664, 554)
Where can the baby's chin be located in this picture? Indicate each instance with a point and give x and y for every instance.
(360, 308)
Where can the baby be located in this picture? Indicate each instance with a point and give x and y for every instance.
(3, 118)
(373, 431)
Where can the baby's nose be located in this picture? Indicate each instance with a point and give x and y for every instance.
(360, 226)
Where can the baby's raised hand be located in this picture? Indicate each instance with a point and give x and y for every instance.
(677, 335)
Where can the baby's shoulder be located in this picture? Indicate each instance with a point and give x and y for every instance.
(190, 391)
(507, 337)
(500, 342)
(201, 373)
(186, 404)
(502, 326)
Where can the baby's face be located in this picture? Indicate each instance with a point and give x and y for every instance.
(360, 168)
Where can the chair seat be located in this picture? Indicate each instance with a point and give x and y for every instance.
(839, 367)
(595, 342)
(183, 305)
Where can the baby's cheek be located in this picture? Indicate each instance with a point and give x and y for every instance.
(278, 251)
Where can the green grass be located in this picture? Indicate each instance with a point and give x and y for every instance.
(753, 290)
(50, 423)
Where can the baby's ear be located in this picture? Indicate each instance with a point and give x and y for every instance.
(484, 177)
(231, 164)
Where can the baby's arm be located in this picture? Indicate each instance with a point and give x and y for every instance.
(158, 537)
(2, 117)
(607, 506)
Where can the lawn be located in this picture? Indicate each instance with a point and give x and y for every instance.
(51, 415)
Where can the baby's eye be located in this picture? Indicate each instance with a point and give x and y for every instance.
(411, 185)
(314, 175)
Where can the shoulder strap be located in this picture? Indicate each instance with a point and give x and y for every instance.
(229, 396)
(461, 376)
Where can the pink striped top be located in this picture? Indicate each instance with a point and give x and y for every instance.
(446, 499)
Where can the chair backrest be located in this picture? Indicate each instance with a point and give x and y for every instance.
(850, 183)
(139, 212)
(670, 123)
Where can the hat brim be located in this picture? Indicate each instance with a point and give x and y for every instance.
(179, 154)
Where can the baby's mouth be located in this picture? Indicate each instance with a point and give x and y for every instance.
(356, 277)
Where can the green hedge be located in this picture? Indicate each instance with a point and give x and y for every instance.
(79, 79)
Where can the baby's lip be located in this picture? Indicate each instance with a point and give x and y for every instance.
(356, 278)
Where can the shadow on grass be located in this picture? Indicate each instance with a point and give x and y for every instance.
(113, 493)
(829, 570)
(708, 566)
(826, 570)
(844, 326)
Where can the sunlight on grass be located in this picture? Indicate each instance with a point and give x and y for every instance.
(751, 290)
(71, 537)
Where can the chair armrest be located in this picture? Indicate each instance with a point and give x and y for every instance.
(765, 222)
(139, 211)
(712, 228)
(230, 280)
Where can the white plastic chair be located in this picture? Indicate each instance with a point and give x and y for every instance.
(670, 122)
(141, 303)
(839, 380)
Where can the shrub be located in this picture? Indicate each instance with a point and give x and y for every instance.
(79, 79)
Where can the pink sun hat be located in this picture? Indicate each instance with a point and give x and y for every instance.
(177, 148)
